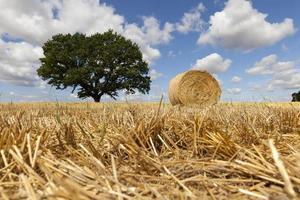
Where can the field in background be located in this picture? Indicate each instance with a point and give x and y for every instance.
(149, 151)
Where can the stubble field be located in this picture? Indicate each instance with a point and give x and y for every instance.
(149, 151)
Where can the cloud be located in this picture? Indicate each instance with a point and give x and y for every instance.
(173, 54)
(192, 21)
(133, 32)
(289, 79)
(264, 67)
(213, 63)
(270, 65)
(154, 74)
(236, 79)
(256, 87)
(14, 94)
(73, 95)
(155, 94)
(153, 34)
(284, 74)
(260, 87)
(234, 91)
(35, 21)
(18, 63)
(149, 34)
(240, 26)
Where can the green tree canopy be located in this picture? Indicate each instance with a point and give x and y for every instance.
(94, 65)
(296, 96)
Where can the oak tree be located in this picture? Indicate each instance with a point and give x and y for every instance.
(96, 65)
(296, 96)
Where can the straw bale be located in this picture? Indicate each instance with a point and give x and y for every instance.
(194, 87)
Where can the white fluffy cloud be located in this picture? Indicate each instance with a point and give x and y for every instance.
(234, 91)
(192, 21)
(240, 26)
(213, 63)
(263, 67)
(270, 65)
(287, 79)
(35, 21)
(153, 34)
(18, 62)
(149, 34)
(284, 74)
(236, 79)
(154, 74)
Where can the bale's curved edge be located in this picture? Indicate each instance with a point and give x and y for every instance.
(173, 89)
(194, 87)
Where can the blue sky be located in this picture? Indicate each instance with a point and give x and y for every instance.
(251, 47)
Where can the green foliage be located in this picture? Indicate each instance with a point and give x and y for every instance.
(296, 96)
(94, 65)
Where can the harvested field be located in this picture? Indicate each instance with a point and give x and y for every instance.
(149, 151)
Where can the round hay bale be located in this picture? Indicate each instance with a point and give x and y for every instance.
(194, 87)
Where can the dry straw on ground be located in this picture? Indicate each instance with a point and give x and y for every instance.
(149, 151)
(194, 87)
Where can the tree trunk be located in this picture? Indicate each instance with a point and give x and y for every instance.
(97, 98)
